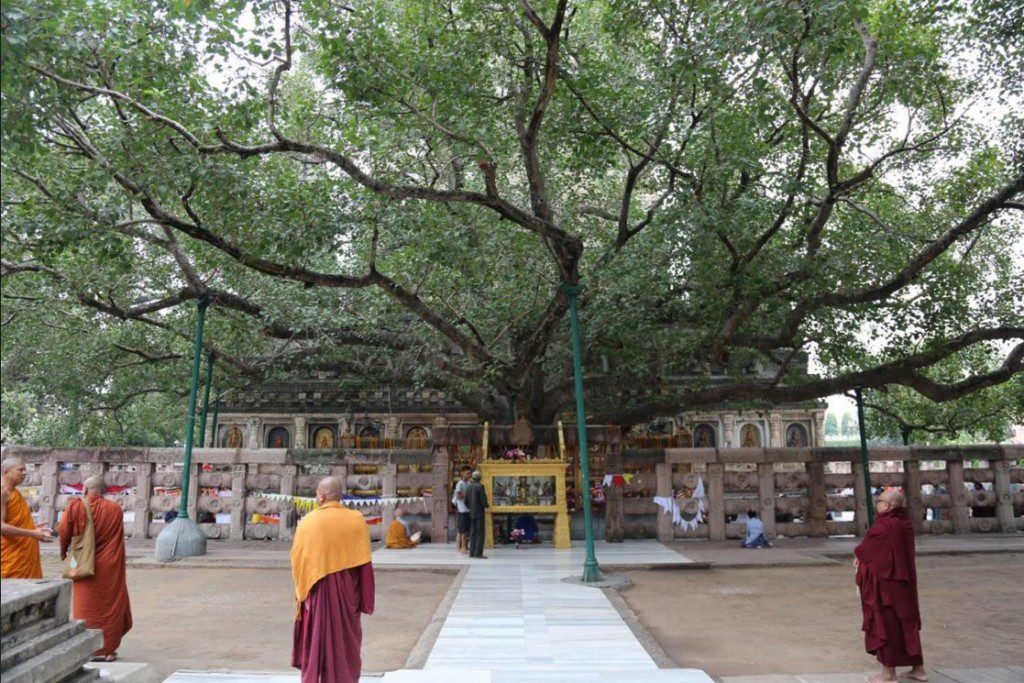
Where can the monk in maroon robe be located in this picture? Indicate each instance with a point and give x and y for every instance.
(333, 587)
(887, 579)
(102, 599)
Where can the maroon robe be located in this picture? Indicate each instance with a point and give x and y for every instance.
(328, 634)
(888, 590)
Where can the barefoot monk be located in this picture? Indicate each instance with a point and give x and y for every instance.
(887, 579)
(102, 599)
(333, 587)
(19, 535)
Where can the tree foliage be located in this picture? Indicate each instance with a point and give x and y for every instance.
(394, 191)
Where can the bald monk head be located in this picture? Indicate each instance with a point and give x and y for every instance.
(890, 500)
(13, 471)
(329, 489)
(94, 485)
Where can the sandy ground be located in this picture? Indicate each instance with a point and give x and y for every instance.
(807, 619)
(187, 618)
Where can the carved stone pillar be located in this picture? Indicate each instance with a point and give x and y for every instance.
(48, 493)
(1004, 495)
(300, 432)
(286, 529)
(728, 431)
(193, 493)
(663, 487)
(716, 501)
(957, 497)
(817, 500)
(254, 427)
(775, 439)
(614, 517)
(818, 437)
(238, 492)
(389, 484)
(391, 430)
(143, 497)
(912, 488)
(862, 498)
(439, 501)
(766, 496)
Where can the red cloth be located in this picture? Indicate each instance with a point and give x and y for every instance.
(888, 590)
(328, 635)
(101, 600)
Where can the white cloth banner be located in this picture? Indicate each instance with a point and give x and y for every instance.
(351, 502)
(670, 506)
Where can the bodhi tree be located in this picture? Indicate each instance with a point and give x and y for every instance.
(395, 191)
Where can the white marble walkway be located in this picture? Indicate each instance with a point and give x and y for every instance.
(515, 621)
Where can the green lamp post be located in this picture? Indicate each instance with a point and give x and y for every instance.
(206, 398)
(864, 453)
(591, 572)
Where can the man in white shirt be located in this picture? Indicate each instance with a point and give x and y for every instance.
(459, 501)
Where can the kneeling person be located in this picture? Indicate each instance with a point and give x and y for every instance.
(398, 533)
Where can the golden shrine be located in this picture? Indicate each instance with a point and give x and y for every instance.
(520, 483)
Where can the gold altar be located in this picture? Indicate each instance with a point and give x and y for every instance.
(526, 486)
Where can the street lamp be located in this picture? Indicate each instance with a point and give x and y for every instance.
(864, 452)
(591, 572)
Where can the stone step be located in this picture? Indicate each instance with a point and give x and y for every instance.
(26, 633)
(30, 647)
(26, 602)
(125, 672)
(82, 676)
(59, 662)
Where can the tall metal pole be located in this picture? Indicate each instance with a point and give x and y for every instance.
(213, 427)
(591, 572)
(864, 453)
(206, 398)
(197, 354)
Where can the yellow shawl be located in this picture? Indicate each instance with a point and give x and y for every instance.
(330, 539)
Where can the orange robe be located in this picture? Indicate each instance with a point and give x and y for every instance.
(102, 599)
(398, 537)
(333, 587)
(19, 555)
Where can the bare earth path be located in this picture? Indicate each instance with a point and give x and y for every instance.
(216, 619)
(807, 619)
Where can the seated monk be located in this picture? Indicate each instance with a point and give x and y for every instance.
(398, 533)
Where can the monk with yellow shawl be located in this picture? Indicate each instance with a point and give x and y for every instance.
(19, 535)
(398, 533)
(333, 587)
(102, 599)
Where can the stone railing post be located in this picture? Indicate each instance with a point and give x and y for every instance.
(766, 496)
(143, 499)
(817, 500)
(614, 516)
(663, 488)
(912, 487)
(238, 501)
(861, 498)
(388, 487)
(50, 486)
(286, 530)
(1004, 496)
(440, 496)
(300, 432)
(957, 497)
(716, 501)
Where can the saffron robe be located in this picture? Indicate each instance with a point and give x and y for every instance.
(19, 555)
(887, 579)
(333, 587)
(102, 599)
(398, 537)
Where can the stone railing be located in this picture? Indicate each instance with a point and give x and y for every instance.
(225, 485)
(799, 492)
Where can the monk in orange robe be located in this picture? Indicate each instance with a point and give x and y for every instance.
(398, 533)
(19, 535)
(333, 587)
(102, 599)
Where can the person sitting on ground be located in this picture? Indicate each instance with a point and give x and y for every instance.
(398, 536)
(755, 532)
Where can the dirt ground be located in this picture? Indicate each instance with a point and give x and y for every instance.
(807, 619)
(188, 618)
